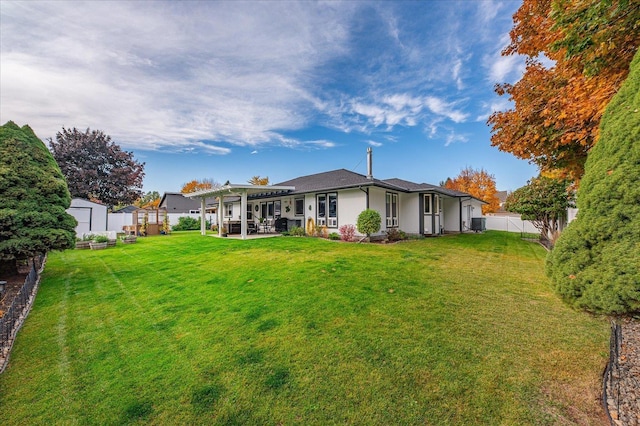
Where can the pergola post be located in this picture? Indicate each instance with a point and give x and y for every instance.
(243, 215)
(203, 216)
(220, 208)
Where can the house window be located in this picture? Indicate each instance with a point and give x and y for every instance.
(327, 210)
(249, 212)
(392, 209)
(228, 210)
(277, 211)
(194, 211)
(436, 210)
(427, 204)
(299, 206)
(267, 209)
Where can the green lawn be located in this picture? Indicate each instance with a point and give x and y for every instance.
(198, 330)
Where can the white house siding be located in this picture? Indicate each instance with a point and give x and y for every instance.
(451, 211)
(378, 201)
(470, 208)
(409, 214)
(351, 203)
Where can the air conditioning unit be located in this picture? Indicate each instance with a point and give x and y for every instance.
(478, 224)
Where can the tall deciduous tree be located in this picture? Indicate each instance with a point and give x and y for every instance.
(544, 201)
(557, 109)
(96, 168)
(257, 180)
(33, 198)
(199, 185)
(595, 264)
(478, 183)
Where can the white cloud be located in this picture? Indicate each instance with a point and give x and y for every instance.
(442, 108)
(404, 110)
(488, 108)
(166, 75)
(503, 69)
(455, 138)
(320, 144)
(374, 143)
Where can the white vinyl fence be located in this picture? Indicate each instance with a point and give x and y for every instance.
(116, 221)
(510, 224)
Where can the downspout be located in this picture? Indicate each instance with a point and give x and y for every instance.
(366, 196)
(460, 203)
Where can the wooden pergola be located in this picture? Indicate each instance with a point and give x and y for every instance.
(233, 190)
(154, 217)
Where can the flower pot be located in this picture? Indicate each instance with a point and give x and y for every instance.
(130, 239)
(82, 245)
(111, 243)
(98, 246)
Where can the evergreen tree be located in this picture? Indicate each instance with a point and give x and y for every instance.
(595, 264)
(33, 198)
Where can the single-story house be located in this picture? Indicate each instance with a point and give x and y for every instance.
(337, 197)
(176, 202)
(91, 217)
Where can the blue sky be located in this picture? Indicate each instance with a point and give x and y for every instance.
(229, 90)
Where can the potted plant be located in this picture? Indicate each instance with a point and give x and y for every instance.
(82, 244)
(128, 239)
(166, 228)
(100, 242)
(224, 231)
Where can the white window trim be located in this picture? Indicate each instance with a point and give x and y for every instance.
(328, 221)
(392, 221)
(295, 201)
(427, 204)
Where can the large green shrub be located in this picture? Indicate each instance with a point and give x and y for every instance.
(187, 223)
(368, 222)
(595, 264)
(33, 198)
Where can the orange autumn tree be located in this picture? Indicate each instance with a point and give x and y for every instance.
(198, 185)
(557, 108)
(257, 180)
(478, 183)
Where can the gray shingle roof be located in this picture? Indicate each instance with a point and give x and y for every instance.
(342, 178)
(332, 180)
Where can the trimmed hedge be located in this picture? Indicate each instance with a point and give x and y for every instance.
(595, 264)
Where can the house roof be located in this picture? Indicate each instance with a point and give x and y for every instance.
(127, 209)
(420, 187)
(176, 202)
(342, 178)
(332, 180)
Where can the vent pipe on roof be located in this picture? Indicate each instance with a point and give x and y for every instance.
(369, 163)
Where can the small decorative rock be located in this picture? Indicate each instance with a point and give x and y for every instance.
(623, 390)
